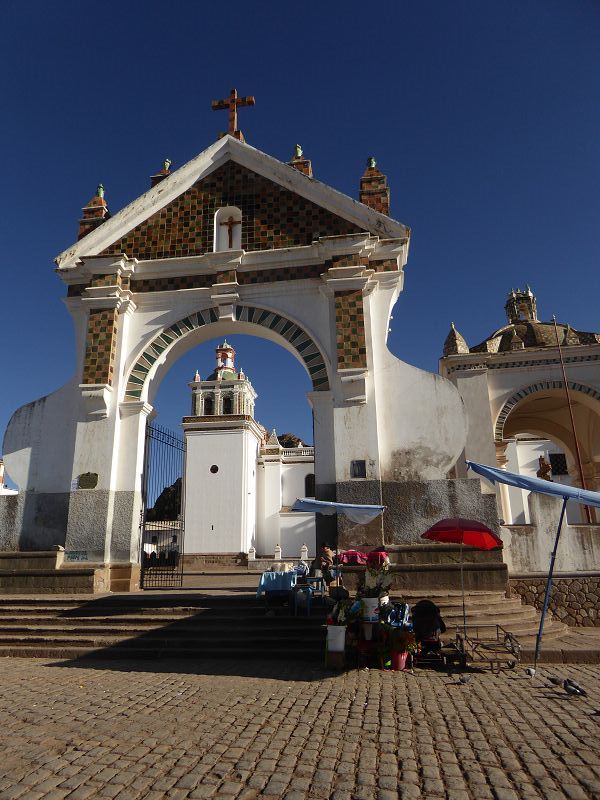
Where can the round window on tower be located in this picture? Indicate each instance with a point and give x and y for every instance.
(214, 469)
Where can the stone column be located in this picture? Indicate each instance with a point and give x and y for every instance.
(502, 461)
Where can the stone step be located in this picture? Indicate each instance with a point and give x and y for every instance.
(141, 653)
(291, 626)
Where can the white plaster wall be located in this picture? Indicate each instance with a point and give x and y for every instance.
(293, 481)
(421, 421)
(218, 506)
(527, 548)
(523, 458)
(268, 522)
(39, 442)
(296, 529)
(473, 388)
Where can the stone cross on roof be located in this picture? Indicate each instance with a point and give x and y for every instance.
(232, 104)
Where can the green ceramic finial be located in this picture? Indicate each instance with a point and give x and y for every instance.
(100, 190)
(298, 151)
(166, 164)
(371, 163)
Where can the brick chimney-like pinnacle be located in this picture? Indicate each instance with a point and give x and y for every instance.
(300, 163)
(374, 191)
(94, 213)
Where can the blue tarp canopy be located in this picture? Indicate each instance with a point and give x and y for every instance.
(357, 513)
(583, 496)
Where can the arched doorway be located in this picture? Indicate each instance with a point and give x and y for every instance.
(239, 480)
(535, 424)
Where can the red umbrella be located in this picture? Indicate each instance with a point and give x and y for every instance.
(463, 531)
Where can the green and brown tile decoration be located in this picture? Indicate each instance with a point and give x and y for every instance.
(100, 346)
(272, 217)
(281, 274)
(172, 284)
(350, 329)
(226, 276)
(298, 338)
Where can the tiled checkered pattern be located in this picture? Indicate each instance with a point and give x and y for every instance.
(171, 284)
(299, 339)
(350, 329)
(281, 274)
(225, 276)
(100, 346)
(387, 265)
(272, 217)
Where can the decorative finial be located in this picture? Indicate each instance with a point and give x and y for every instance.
(166, 164)
(298, 151)
(371, 163)
(452, 326)
(197, 377)
(100, 190)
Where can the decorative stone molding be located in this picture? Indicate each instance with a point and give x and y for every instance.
(97, 399)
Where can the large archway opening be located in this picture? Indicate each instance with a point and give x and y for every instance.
(261, 456)
(536, 433)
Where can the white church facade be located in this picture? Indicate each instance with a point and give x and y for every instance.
(239, 481)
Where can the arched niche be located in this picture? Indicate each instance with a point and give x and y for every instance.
(228, 229)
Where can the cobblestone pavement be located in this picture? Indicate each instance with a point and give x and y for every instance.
(224, 730)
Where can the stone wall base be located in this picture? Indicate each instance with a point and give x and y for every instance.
(575, 599)
(46, 572)
(411, 508)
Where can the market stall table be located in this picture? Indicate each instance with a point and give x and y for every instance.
(276, 583)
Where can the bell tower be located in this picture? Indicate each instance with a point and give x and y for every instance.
(223, 441)
(521, 306)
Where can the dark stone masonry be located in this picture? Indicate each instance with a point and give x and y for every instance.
(575, 599)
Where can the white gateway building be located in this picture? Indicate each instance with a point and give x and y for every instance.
(239, 481)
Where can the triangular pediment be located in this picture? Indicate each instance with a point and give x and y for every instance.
(284, 207)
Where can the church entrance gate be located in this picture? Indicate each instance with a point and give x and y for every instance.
(162, 525)
(309, 269)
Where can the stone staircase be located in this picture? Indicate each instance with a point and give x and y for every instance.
(157, 626)
(186, 625)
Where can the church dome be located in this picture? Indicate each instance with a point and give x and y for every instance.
(523, 331)
(533, 334)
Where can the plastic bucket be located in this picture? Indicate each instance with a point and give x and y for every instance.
(336, 638)
(399, 660)
(370, 613)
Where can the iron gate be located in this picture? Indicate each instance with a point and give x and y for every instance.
(162, 522)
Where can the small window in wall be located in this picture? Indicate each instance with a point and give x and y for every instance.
(558, 462)
(228, 229)
(209, 407)
(358, 469)
(228, 405)
(309, 485)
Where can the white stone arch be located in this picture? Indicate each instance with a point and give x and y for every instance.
(585, 392)
(173, 340)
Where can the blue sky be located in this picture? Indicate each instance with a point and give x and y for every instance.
(484, 116)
